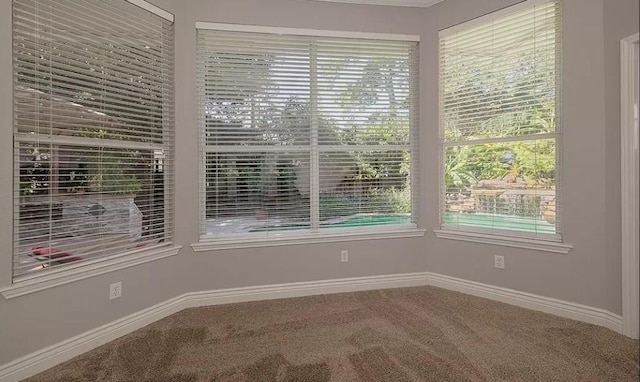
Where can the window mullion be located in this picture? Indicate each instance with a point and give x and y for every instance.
(314, 176)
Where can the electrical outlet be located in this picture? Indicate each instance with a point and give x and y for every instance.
(498, 261)
(115, 290)
(344, 256)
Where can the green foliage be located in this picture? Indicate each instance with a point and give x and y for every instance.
(371, 180)
(534, 162)
(389, 201)
(530, 84)
(334, 206)
(399, 199)
(537, 159)
(111, 177)
(94, 173)
(34, 177)
(457, 173)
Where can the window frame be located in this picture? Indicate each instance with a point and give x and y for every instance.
(505, 237)
(33, 282)
(311, 235)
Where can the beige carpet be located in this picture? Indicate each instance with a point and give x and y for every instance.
(409, 334)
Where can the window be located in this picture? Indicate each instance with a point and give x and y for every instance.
(499, 115)
(304, 134)
(93, 132)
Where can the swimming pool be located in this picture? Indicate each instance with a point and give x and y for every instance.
(348, 221)
(480, 220)
(477, 220)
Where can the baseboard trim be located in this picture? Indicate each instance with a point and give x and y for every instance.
(553, 306)
(301, 289)
(50, 356)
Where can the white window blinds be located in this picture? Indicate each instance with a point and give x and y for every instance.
(499, 113)
(93, 131)
(305, 133)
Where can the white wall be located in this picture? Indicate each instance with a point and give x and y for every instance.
(586, 275)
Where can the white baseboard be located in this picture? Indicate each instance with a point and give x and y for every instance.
(554, 306)
(50, 356)
(300, 289)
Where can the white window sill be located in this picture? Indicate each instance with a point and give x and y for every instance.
(238, 242)
(534, 244)
(85, 270)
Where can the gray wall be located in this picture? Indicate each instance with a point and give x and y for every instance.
(587, 275)
(579, 276)
(620, 20)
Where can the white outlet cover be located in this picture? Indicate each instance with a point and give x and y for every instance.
(498, 261)
(344, 256)
(115, 290)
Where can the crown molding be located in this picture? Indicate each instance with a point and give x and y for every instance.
(397, 3)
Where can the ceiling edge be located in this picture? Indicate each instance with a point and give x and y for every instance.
(397, 3)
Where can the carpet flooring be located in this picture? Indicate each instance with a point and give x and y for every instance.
(407, 334)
